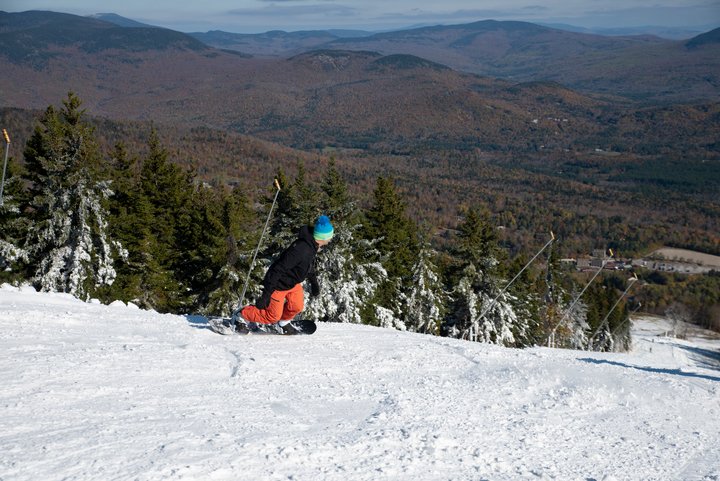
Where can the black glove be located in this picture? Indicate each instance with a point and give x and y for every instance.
(314, 288)
(264, 300)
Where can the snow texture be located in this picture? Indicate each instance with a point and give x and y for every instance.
(94, 392)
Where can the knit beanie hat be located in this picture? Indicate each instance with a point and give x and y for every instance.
(323, 229)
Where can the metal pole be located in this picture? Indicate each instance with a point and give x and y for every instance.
(630, 284)
(7, 148)
(491, 304)
(602, 266)
(252, 264)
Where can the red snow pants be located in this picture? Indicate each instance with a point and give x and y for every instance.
(284, 306)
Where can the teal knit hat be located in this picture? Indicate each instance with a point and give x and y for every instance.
(323, 229)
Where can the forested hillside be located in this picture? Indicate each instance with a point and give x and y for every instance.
(628, 203)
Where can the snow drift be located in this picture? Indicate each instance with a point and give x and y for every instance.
(93, 392)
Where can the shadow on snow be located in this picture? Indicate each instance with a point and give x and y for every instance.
(656, 370)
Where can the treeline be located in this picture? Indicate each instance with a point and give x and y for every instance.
(694, 299)
(118, 225)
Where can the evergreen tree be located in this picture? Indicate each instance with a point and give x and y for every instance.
(306, 199)
(347, 282)
(202, 243)
(571, 329)
(166, 192)
(393, 237)
(525, 296)
(130, 218)
(13, 226)
(237, 225)
(394, 232)
(478, 310)
(556, 298)
(425, 300)
(284, 223)
(336, 201)
(577, 327)
(464, 307)
(348, 279)
(388, 319)
(68, 240)
(606, 315)
(477, 244)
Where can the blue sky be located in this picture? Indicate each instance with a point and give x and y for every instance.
(252, 16)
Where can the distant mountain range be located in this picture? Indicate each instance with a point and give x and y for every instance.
(638, 67)
(373, 95)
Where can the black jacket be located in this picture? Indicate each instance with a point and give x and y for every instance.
(294, 265)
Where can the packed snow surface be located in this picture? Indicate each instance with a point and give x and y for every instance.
(94, 392)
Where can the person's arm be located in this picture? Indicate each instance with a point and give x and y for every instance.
(313, 280)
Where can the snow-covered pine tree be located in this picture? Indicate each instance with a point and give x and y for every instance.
(577, 326)
(68, 240)
(347, 274)
(476, 311)
(394, 237)
(474, 316)
(425, 299)
(567, 323)
(347, 281)
(12, 227)
(526, 299)
(388, 319)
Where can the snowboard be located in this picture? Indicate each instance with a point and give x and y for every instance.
(224, 326)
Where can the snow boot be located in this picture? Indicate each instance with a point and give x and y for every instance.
(287, 328)
(241, 326)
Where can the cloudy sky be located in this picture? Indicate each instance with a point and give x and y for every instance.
(252, 16)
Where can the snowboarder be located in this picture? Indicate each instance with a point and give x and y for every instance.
(283, 297)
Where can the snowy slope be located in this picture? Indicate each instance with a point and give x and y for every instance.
(93, 392)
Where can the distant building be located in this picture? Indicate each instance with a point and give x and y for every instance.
(584, 264)
(599, 253)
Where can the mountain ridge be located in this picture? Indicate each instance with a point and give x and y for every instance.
(37, 36)
(638, 67)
